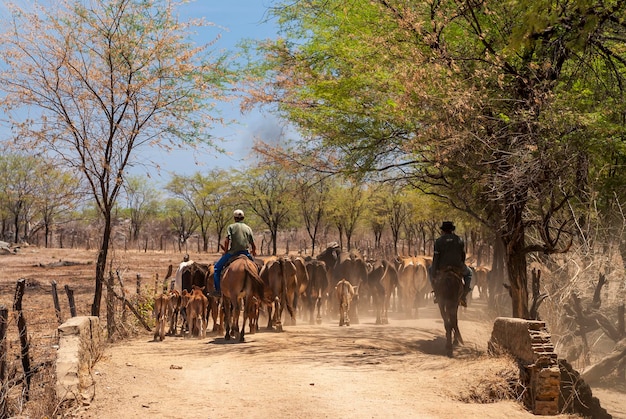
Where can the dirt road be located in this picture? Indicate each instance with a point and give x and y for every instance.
(308, 371)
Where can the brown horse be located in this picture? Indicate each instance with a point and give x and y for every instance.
(240, 282)
(448, 287)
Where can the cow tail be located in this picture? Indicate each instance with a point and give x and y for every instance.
(284, 289)
(257, 285)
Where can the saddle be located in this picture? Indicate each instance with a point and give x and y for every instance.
(442, 279)
(230, 261)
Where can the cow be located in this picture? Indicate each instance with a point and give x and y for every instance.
(160, 314)
(184, 299)
(382, 279)
(173, 310)
(481, 273)
(280, 283)
(413, 283)
(317, 288)
(197, 312)
(253, 314)
(302, 282)
(348, 265)
(345, 294)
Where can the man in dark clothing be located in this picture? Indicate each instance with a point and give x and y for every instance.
(450, 252)
(239, 239)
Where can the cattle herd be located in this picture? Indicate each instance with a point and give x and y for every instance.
(336, 284)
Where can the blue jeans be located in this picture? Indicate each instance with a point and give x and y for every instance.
(219, 265)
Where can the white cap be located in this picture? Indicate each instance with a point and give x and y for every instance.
(238, 213)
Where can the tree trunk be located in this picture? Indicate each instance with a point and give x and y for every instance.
(518, 277)
(274, 234)
(101, 265)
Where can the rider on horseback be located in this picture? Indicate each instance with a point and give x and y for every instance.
(239, 238)
(450, 252)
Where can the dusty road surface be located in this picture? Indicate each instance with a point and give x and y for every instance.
(309, 371)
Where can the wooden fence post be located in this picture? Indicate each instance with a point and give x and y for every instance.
(21, 325)
(55, 298)
(70, 299)
(4, 316)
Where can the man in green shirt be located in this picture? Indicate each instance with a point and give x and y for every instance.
(239, 238)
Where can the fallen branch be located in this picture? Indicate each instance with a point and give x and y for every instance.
(135, 312)
(606, 365)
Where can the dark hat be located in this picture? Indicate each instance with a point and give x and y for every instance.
(447, 226)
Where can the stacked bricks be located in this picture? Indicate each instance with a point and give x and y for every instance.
(530, 343)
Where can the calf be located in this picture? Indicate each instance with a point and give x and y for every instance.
(160, 314)
(345, 293)
(253, 314)
(197, 312)
(173, 309)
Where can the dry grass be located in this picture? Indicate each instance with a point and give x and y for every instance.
(75, 269)
(490, 382)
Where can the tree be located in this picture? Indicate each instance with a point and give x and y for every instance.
(19, 190)
(205, 195)
(484, 105)
(312, 193)
(58, 193)
(347, 204)
(269, 193)
(105, 79)
(143, 202)
(182, 219)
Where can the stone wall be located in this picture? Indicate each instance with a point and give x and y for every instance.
(80, 345)
(530, 342)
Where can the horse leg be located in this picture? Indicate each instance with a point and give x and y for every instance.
(455, 327)
(246, 310)
(449, 341)
(227, 310)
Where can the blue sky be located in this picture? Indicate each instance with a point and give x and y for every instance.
(236, 20)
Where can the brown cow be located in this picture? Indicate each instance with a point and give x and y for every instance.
(253, 314)
(197, 312)
(160, 314)
(481, 274)
(317, 289)
(345, 294)
(349, 265)
(302, 280)
(382, 280)
(184, 299)
(412, 283)
(173, 310)
(280, 283)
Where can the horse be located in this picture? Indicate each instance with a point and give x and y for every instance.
(240, 282)
(448, 287)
